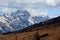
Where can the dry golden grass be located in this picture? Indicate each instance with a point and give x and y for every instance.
(52, 30)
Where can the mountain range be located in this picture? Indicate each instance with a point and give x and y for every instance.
(18, 20)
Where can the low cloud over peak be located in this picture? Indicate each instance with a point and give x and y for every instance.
(33, 4)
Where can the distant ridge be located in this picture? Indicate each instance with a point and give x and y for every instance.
(48, 22)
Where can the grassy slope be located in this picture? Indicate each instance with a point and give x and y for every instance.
(52, 30)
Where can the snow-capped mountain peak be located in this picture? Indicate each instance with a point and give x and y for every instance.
(18, 20)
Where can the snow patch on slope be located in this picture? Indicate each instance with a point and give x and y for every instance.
(18, 20)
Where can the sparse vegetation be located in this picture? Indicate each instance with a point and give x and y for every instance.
(46, 32)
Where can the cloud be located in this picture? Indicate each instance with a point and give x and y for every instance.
(35, 12)
(4, 2)
(37, 3)
(51, 2)
(8, 10)
(31, 5)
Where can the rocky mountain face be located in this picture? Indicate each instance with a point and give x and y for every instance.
(47, 30)
(18, 20)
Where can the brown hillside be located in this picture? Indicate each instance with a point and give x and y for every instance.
(48, 31)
